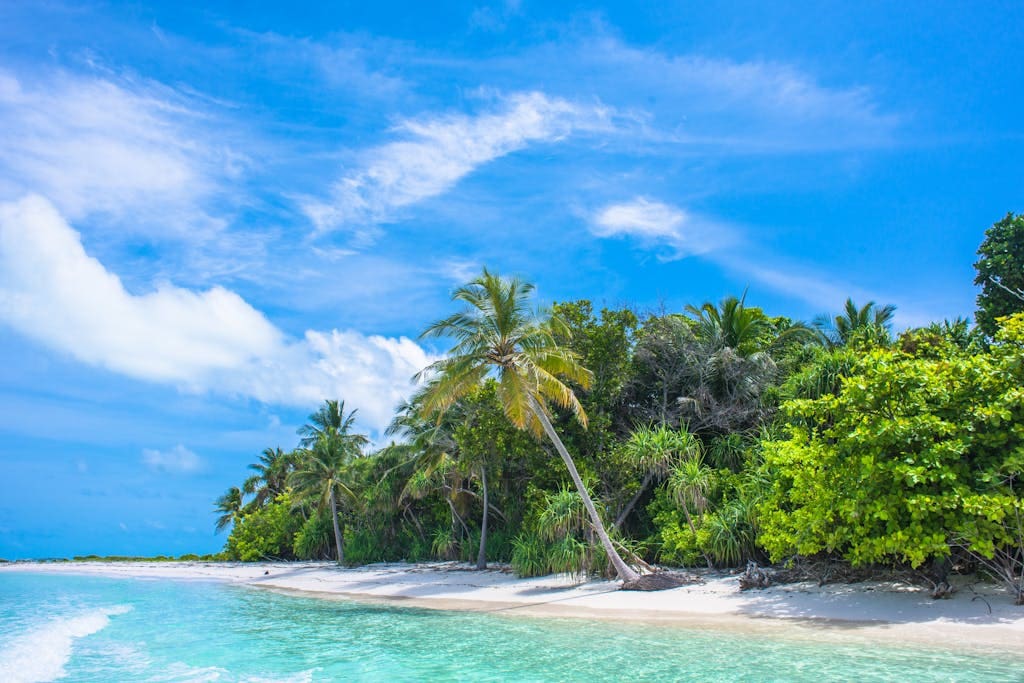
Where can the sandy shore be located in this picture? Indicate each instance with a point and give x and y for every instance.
(886, 612)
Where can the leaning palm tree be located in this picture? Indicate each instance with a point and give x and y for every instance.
(499, 334)
(230, 507)
(320, 473)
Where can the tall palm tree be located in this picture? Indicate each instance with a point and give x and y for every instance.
(230, 507)
(499, 334)
(320, 473)
(869, 319)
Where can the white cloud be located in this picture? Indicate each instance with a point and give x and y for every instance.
(51, 290)
(437, 152)
(656, 224)
(117, 148)
(178, 460)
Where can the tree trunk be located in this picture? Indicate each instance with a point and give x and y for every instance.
(338, 541)
(621, 568)
(632, 504)
(481, 557)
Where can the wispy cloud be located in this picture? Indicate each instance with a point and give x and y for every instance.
(654, 224)
(202, 341)
(177, 460)
(435, 152)
(694, 99)
(116, 147)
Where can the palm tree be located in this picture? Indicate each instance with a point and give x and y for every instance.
(732, 325)
(499, 334)
(271, 476)
(319, 475)
(439, 462)
(870, 320)
(230, 507)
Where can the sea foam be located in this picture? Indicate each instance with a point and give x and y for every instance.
(40, 654)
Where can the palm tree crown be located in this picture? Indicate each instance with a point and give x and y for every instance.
(870, 320)
(732, 324)
(229, 506)
(271, 476)
(500, 334)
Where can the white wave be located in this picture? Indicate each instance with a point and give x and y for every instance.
(179, 672)
(40, 655)
(299, 677)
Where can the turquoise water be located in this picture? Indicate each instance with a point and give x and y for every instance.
(97, 629)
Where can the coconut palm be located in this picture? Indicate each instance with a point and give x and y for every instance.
(435, 461)
(230, 507)
(320, 473)
(271, 476)
(869, 320)
(499, 334)
(732, 324)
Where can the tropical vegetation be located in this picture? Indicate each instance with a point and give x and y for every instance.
(567, 439)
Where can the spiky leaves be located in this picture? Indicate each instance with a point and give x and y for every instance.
(499, 334)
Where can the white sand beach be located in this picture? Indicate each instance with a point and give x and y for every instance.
(874, 611)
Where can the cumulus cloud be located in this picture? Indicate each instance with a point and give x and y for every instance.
(94, 145)
(655, 224)
(51, 290)
(436, 152)
(178, 460)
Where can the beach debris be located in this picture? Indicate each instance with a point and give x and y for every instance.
(755, 577)
(942, 590)
(659, 582)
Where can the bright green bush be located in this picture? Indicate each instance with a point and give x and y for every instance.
(267, 533)
(910, 455)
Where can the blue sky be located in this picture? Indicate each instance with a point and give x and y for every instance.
(212, 219)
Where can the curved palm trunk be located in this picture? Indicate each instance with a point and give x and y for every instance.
(621, 568)
(481, 557)
(338, 541)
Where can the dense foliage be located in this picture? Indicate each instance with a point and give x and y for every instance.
(572, 439)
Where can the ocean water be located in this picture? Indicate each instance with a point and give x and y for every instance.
(68, 628)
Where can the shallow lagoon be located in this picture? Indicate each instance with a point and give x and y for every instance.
(101, 629)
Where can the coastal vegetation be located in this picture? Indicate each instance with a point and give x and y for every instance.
(578, 440)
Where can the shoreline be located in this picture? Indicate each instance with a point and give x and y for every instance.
(871, 612)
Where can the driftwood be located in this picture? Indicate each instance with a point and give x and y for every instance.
(659, 582)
